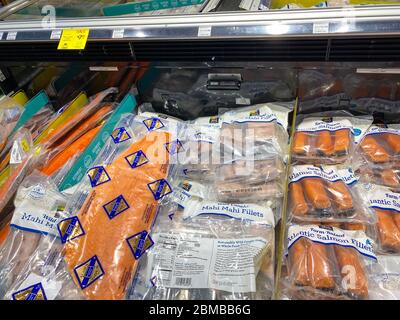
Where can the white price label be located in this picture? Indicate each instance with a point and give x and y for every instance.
(12, 35)
(55, 35)
(205, 31)
(118, 34)
(321, 27)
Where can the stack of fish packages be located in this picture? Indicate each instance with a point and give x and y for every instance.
(48, 154)
(331, 248)
(215, 239)
(376, 162)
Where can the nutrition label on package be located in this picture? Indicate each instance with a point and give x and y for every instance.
(198, 263)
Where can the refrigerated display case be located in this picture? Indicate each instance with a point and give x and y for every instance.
(322, 59)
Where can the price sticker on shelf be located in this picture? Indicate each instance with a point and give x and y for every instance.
(12, 35)
(118, 34)
(73, 39)
(321, 27)
(204, 31)
(1, 35)
(55, 35)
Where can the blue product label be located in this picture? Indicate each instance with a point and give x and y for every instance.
(70, 229)
(88, 272)
(159, 188)
(35, 292)
(137, 159)
(98, 175)
(140, 243)
(120, 135)
(116, 207)
(153, 124)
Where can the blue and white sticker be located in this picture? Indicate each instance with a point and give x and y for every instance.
(329, 235)
(380, 197)
(116, 206)
(317, 124)
(139, 243)
(98, 175)
(153, 124)
(137, 159)
(70, 228)
(120, 135)
(160, 188)
(262, 215)
(327, 172)
(88, 272)
(33, 292)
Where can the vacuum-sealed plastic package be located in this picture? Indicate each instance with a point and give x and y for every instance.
(388, 177)
(216, 251)
(256, 132)
(101, 251)
(381, 145)
(90, 109)
(325, 262)
(325, 193)
(386, 276)
(251, 171)
(238, 192)
(385, 204)
(327, 139)
(202, 153)
(37, 203)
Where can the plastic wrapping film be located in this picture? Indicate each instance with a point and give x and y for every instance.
(100, 251)
(328, 138)
(326, 262)
(214, 251)
(384, 204)
(10, 112)
(208, 244)
(376, 160)
(252, 138)
(326, 193)
(37, 203)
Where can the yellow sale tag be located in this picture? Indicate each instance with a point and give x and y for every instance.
(73, 39)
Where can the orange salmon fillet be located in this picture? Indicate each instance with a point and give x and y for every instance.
(106, 235)
(75, 148)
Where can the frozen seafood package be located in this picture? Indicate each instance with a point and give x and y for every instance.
(328, 139)
(384, 204)
(212, 251)
(201, 145)
(326, 262)
(37, 206)
(386, 276)
(108, 219)
(255, 132)
(325, 193)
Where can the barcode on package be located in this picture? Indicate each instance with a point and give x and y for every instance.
(183, 282)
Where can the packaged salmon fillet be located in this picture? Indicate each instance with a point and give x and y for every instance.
(327, 139)
(101, 252)
(388, 176)
(384, 205)
(230, 247)
(256, 132)
(326, 262)
(10, 111)
(37, 204)
(94, 105)
(380, 147)
(325, 193)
